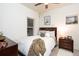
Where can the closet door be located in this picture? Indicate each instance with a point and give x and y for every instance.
(30, 26)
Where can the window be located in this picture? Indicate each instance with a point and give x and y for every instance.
(30, 27)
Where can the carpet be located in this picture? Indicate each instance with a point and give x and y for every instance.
(63, 52)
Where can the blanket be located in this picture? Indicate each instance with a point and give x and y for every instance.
(37, 47)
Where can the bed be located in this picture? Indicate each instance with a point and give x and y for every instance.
(50, 42)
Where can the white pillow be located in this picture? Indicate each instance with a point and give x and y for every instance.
(50, 34)
(47, 34)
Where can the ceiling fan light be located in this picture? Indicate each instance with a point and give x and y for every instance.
(46, 6)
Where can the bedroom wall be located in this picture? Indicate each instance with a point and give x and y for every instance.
(58, 19)
(14, 20)
(1, 18)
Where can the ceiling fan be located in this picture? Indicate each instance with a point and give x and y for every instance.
(46, 5)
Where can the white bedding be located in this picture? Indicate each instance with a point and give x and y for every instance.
(25, 44)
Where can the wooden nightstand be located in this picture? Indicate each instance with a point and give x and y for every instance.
(10, 50)
(66, 43)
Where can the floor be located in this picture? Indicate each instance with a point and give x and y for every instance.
(55, 52)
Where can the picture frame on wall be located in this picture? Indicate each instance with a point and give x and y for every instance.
(47, 20)
(72, 20)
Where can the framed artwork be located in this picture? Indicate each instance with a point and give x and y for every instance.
(72, 20)
(47, 20)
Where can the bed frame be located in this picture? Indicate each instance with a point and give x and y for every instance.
(50, 29)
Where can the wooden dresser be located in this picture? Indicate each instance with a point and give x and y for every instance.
(10, 50)
(66, 43)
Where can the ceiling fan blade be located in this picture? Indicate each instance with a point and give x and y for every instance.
(38, 4)
(55, 3)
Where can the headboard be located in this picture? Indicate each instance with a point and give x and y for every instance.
(50, 29)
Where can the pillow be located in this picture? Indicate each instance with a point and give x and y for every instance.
(47, 34)
(42, 33)
(50, 34)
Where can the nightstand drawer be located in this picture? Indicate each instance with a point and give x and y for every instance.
(66, 42)
(66, 45)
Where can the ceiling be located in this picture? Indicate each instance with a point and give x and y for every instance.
(41, 8)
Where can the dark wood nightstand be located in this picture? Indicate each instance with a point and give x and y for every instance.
(66, 43)
(10, 50)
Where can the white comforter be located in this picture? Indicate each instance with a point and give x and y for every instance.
(25, 44)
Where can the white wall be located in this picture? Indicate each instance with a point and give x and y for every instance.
(58, 19)
(14, 20)
(1, 17)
